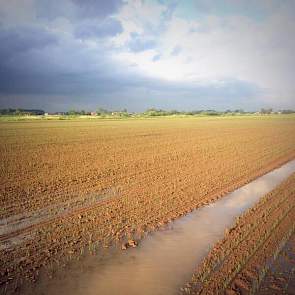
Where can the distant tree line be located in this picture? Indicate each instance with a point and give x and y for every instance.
(151, 112)
(266, 111)
(98, 112)
(21, 112)
(159, 112)
(287, 111)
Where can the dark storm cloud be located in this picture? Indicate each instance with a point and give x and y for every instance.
(60, 83)
(38, 64)
(56, 71)
(35, 59)
(46, 68)
(59, 54)
(89, 91)
(15, 41)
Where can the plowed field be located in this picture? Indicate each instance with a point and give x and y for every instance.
(67, 185)
(238, 263)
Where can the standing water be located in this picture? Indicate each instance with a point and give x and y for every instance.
(166, 259)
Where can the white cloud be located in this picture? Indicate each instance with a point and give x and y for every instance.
(217, 54)
(217, 48)
(141, 17)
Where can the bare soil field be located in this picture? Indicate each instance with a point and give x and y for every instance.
(67, 186)
(251, 249)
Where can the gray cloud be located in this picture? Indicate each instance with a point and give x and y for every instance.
(97, 9)
(109, 27)
(111, 87)
(140, 43)
(15, 41)
(59, 54)
(76, 9)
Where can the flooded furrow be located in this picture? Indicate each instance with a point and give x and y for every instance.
(166, 259)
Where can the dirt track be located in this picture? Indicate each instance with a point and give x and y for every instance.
(238, 263)
(66, 186)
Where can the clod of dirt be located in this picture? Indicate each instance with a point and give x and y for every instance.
(132, 243)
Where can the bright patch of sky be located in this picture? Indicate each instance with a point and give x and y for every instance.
(192, 10)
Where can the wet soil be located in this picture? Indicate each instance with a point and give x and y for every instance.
(157, 171)
(280, 278)
(237, 264)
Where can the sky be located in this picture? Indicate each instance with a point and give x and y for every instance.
(136, 54)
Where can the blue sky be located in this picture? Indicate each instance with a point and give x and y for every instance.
(171, 54)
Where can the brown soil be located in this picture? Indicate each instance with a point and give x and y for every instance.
(238, 263)
(67, 186)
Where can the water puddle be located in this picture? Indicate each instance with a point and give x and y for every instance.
(279, 278)
(166, 259)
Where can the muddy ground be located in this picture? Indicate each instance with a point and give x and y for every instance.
(74, 186)
(280, 278)
(243, 262)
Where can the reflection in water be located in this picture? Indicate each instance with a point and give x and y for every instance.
(166, 259)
